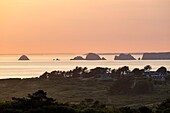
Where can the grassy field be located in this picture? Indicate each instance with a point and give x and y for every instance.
(75, 90)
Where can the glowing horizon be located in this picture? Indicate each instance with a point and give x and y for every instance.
(82, 26)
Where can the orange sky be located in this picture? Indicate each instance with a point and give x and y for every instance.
(81, 26)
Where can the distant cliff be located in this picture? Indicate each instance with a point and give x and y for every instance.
(156, 56)
(124, 57)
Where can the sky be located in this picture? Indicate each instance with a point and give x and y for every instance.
(81, 26)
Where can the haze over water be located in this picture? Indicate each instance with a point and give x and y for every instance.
(10, 67)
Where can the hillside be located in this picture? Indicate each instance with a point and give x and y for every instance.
(75, 90)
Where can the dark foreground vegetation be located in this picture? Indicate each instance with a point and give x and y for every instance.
(38, 102)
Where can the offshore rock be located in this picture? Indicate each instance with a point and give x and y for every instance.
(90, 56)
(94, 56)
(23, 57)
(124, 57)
(78, 58)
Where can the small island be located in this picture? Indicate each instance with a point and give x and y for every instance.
(78, 58)
(124, 57)
(90, 56)
(56, 59)
(23, 57)
(93, 56)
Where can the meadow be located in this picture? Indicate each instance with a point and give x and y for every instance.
(74, 90)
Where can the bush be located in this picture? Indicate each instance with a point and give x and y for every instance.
(121, 86)
(144, 109)
(129, 86)
(164, 106)
(143, 87)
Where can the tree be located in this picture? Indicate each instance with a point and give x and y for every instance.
(35, 100)
(144, 109)
(84, 70)
(127, 110)
(90, 103)
(137, 71)
(123, 70)
(164, 106)
(45, 75)
(77, 72)
(147, 68)
(162, 70)
(99, 70)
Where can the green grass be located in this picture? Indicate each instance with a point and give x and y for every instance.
(75, 90)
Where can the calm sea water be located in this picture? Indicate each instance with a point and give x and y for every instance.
(10, 67)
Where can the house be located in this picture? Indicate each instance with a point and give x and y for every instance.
(103, 76)
(156, 77)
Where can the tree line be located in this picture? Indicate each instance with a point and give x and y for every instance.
(105, 71)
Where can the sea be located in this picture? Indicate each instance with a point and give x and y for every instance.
(11, 67)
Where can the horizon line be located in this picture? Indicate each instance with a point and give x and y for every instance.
(100, 53)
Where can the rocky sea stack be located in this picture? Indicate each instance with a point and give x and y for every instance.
(78, 58)
(90, 56)
(23, 57)
(93, 56)
(124, 57)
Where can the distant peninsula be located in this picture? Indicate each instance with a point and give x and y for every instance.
(124, 57)
(156, 56)
(90, 56)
